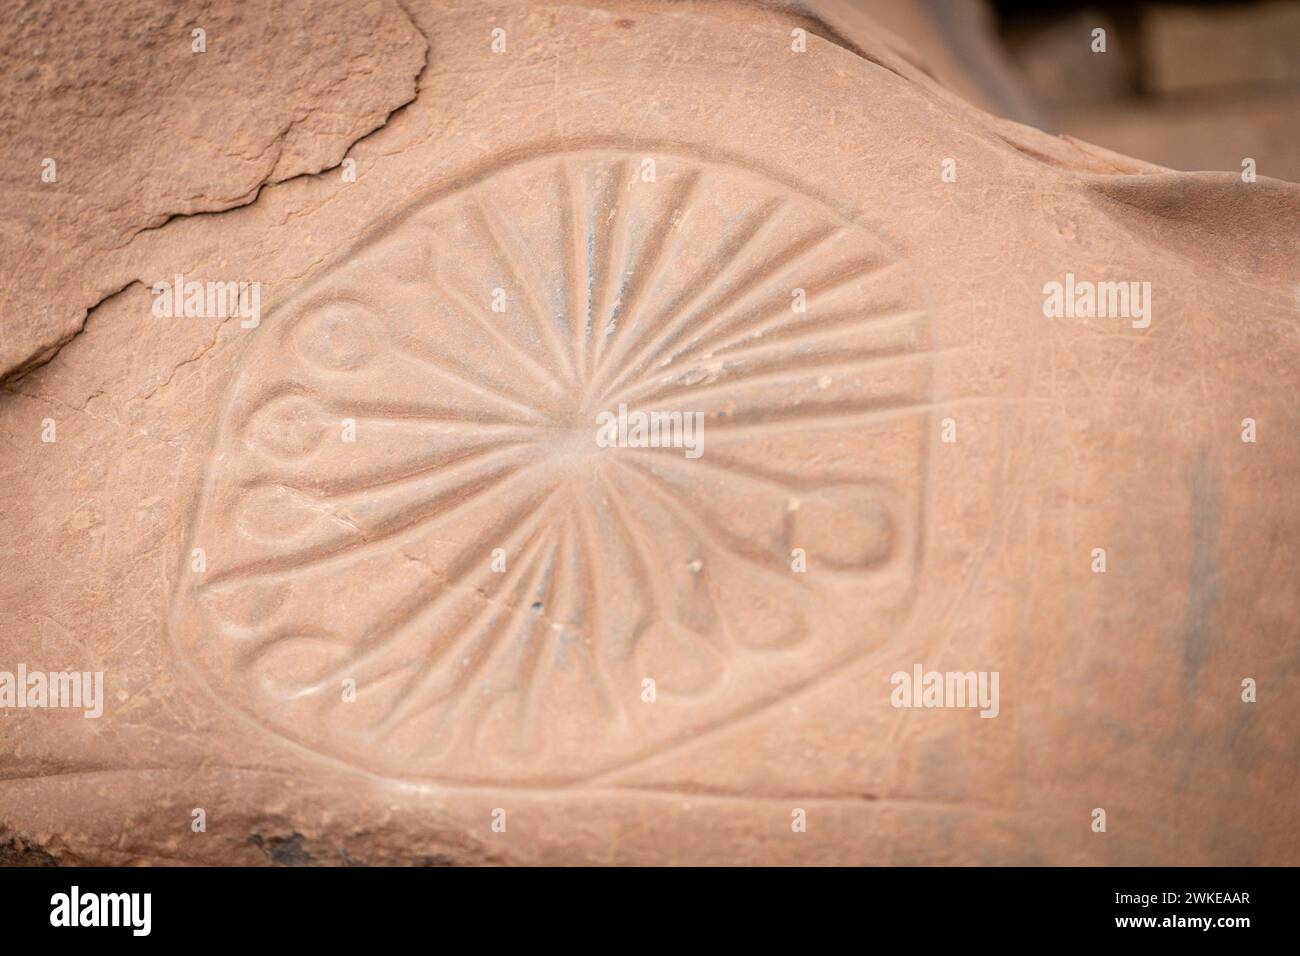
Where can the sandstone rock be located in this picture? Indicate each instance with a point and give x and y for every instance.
(842, 267)
(954, 41)
(129, 117)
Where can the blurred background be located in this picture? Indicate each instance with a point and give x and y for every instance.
(1192, 85)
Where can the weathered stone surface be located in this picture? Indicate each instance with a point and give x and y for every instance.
(140, 127)
(954, 42)
(648, 187)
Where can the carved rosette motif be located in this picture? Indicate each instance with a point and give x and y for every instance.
(498, 587)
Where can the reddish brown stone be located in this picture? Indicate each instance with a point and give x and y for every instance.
(650, 187)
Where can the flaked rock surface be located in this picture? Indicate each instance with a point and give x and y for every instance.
(365, 588)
